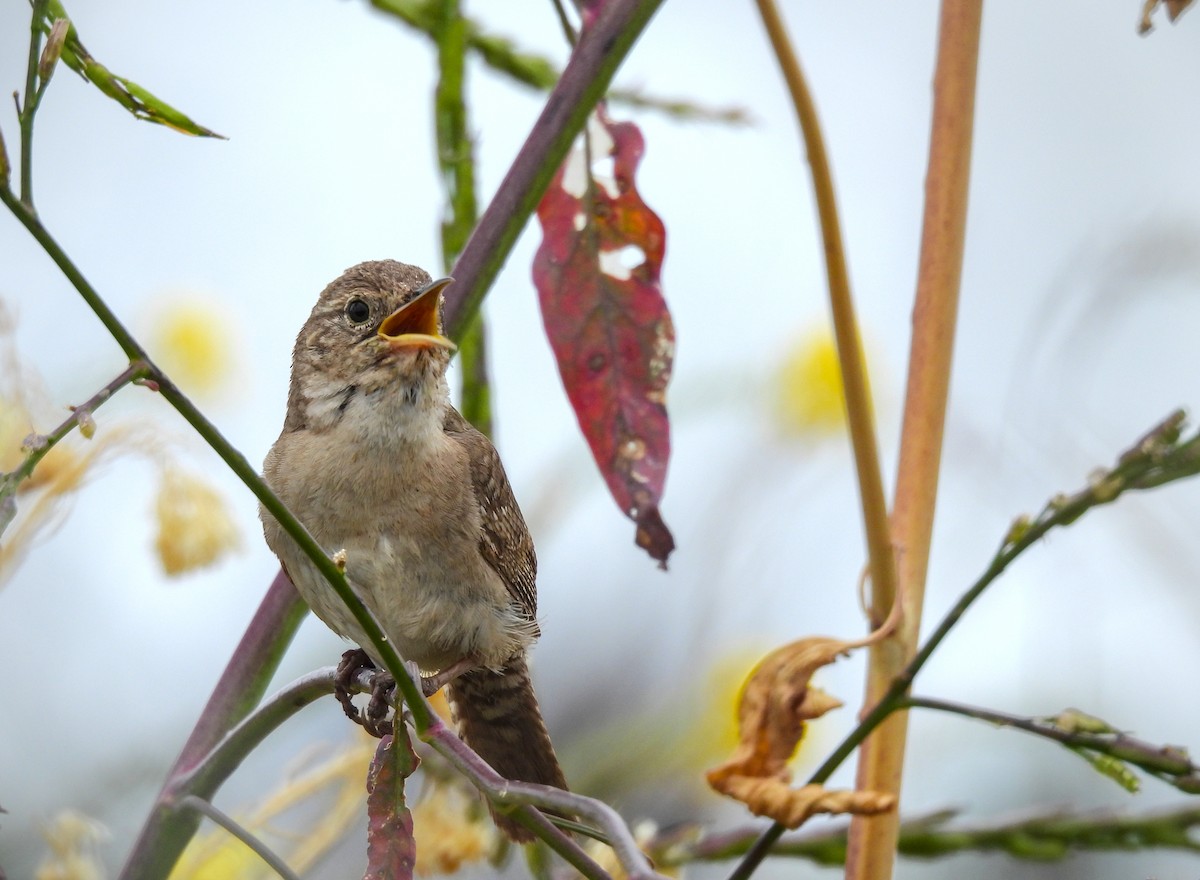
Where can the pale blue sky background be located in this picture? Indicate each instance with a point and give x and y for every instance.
(1077, 332)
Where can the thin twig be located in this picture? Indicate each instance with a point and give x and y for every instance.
(220, 817)
(1086, 735)
(859, 412)
(881, 759)
(564, 23)
(33, 98)
(39, 445)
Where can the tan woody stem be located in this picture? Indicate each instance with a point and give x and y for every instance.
(872, 846)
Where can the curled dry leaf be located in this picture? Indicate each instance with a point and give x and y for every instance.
(791, 807)
(597, 276)
(777, 700)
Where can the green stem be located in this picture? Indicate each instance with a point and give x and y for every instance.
(27, 215)
(1167, 763)
(456, 161)
(476, 403)
(33, 97)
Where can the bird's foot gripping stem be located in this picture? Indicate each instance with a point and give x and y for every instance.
(374, 718)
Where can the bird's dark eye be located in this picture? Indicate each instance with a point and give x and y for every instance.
(357, 311)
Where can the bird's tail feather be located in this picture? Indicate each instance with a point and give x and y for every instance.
(497, 715)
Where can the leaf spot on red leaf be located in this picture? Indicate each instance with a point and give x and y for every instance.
(596, 363)
(634, 448)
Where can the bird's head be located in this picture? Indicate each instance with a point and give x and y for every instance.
(375, 332)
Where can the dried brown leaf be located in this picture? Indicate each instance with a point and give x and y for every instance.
(791, 807)
(776, 701)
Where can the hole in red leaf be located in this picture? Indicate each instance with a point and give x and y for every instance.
(620, 263)
(597, 362)
(574, 177)
(604, 173)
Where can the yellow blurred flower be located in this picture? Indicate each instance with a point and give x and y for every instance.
(73, 839)
(191, 339)
(450, 829)
(194, 528)
(809, 394)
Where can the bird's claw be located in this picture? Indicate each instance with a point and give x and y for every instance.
(374, 718)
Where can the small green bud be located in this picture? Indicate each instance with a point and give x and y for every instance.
(1075, 721)
(53, 49)
(1115, 769)
(1105, 485)
(1018, 530)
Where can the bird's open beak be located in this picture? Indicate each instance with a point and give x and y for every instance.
(416, 324)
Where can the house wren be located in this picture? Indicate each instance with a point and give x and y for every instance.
(376, 462)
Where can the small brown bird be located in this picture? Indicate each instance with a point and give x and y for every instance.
(376, 462)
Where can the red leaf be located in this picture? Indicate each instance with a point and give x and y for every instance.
(391, 850)
(597, 275)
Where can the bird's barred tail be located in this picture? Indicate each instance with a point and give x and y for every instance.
(498, 716)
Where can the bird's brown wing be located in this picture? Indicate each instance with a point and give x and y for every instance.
(504, 540)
